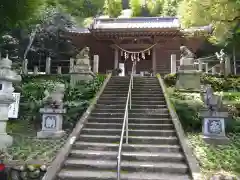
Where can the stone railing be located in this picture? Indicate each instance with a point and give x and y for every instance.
(209, 65)
(58, 69)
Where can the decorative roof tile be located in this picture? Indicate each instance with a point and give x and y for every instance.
(139, 22)
(78, 30)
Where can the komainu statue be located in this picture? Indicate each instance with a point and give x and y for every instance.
(186, 53)
(212, 101)
(83, 56)
(54, 99)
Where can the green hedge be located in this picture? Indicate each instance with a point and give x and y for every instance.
(76, 99)
(188, 106)
(219, 83)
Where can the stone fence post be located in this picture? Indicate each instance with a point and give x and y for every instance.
(173, 63)
(71, 65)
(95, 63)
(214, 70)
(59, 70)
(35, 70)
(200, 65)
(206, 68)
(48, 65)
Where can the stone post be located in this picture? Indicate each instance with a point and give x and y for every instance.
(48, 65)
(200, 65)
(7, 77)
(59, 70)
(25, 66)
(116, 59)
(214, 70)
(221, 65)
(227, 66)
(95, 63)
(154, 60)
(173, 63)
(206, 68)
(71, 65)
(35, 70)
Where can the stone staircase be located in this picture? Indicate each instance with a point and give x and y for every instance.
(153, 152)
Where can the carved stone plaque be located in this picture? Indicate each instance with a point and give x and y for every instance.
(214, 126)
(50, 122)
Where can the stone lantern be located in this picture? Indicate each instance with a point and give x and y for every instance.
(7, 78)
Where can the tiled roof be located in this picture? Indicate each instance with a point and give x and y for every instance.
(140, 22)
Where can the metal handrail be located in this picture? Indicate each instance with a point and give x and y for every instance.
(125, 124)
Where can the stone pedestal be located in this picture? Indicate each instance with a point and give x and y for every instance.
(52, 120)
(188, 76)
(213, 127)
(189, 80)
(81, 70)
(76, 77)
(5, 139)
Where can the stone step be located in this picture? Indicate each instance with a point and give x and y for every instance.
(148, 98)
(140, 102)
(109, 101)
(70, 174)
(149, 114)
(118, 86)
(132, 139)
(142, 132)
(144, 78)
(104, 95)
(107, 115)
(142, 87)
(135, 94)
(116, 92)
(148, 95)
(101, 110)
(116, 98)
(146, 91)
(135, 166)
(118, 81)
(127, 147)
(128, 156)
(134, 106)
(131, 120)
(130, 126)
(134, 97)
(148, 110)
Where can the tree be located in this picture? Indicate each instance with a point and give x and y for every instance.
(82, 8)
(155, 8)
(170, 7)
(223, 15)
(113, 8)
(136, 6)
(14, 13)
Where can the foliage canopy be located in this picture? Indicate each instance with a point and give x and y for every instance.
(223, 15)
